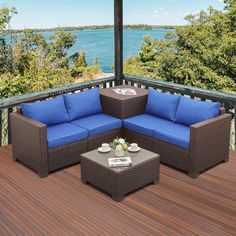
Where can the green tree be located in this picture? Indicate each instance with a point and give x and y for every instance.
(147, 52)
(5, 49)
(202, 53)
(60, 43)
(79, 64)
(34, 63)
(6, 14)
(231, 13)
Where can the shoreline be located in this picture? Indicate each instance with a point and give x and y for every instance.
(96, 27)
(101, 75)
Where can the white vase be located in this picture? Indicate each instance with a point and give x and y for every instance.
(119, 153)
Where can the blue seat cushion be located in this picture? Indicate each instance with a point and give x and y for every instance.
(66, 133)
(83, 104)
(48, 112)
(190, 111)
(176, 134)
(145, 124)
(162, 105)
(98, 124)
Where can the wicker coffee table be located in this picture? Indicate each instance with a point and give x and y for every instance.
(120, 181)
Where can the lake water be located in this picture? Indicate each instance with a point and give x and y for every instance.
(100, 43)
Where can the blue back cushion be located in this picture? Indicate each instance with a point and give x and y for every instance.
(190, 111)
(162, 105)
(83, 103)
(50, 112)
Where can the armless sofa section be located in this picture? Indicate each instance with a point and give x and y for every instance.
(189, 135)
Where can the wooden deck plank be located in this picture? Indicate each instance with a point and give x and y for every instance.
(62, 205)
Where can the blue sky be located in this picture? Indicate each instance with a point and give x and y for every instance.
(51, 13)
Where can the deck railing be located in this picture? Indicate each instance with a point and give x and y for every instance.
(8, 105)
(227, 100)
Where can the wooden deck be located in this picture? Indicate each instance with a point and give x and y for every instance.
(62, 205)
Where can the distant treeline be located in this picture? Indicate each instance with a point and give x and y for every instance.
(99, 27)
(149, 27)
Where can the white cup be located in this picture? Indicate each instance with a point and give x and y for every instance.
(105, 146)
(134, 146)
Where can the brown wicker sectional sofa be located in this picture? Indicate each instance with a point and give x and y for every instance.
(208, 140)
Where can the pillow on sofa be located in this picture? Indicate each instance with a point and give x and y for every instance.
(50, 112)
(190, 111)
(83, 104)
(162, 105)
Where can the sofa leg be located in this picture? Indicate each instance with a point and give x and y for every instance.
(118, 198)
(226, 159)
(14, 159)
(193, 175)
(42, 174)
(156, 181)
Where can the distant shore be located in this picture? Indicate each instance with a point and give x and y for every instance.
(97, 27)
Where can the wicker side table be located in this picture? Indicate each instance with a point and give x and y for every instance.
(122, 106)
(120, 181)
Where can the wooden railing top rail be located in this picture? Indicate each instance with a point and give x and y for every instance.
(188, 90)
(13, 101)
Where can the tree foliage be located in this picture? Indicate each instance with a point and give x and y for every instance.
(6, 14)
(202, 53)
(32, 62)
(79, 64)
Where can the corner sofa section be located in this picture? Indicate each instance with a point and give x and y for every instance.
(189, 135)
(52, 134)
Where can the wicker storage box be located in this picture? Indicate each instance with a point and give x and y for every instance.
(123, 106)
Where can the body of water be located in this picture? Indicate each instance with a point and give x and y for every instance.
(100, 43)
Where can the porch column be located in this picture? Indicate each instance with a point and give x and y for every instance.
(118, 33)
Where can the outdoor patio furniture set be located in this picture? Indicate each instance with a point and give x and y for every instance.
(189, 135)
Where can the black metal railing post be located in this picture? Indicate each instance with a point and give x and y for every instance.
(118, 37)
(234, 126)
(9, 111)
(1, 127)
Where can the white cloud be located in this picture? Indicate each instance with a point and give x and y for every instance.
(140, 15)
(221, 1)
(187, 13)
(155, 16)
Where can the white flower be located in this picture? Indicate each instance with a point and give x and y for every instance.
(119, 147)
(121, 141)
